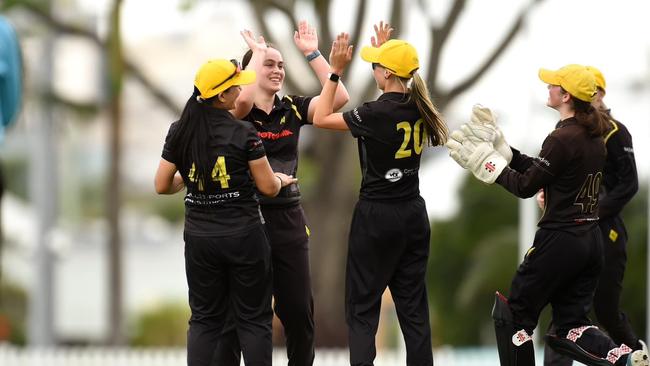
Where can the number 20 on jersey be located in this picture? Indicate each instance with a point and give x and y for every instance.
(418, 138)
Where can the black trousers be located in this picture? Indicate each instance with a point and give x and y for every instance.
(294, 305)
(229, 276)
(388, 247)
(562, 268)
(608, 293)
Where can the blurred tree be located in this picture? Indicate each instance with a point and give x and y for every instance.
(13, 311)
(472, 255)
(115, 76)
(114, 71)
(162, 326)
(633, 297)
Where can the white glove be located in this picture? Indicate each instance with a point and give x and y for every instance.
(477, 155)
(483, 116)
(486, 163)
(463, 142)
(459, 152)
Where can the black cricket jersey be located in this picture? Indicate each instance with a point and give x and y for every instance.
(279, 132)
(391, 136)
(620, 180)
(226, 204)
(569, 169)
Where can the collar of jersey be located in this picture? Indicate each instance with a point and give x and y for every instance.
(222, 113)
(566, 122)
(394, 96)
(278, 104)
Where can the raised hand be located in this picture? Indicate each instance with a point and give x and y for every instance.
(258, 44)
(382, 34)
(305, 38)
(341, 53)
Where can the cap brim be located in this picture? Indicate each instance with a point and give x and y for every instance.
(244, 77)
(370, 54)
(549, 77)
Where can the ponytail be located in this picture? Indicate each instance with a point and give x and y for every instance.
(190, 139)
(588, 116)
(435, 126)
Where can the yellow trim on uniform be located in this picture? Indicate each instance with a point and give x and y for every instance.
(295, 109)
(308, 231)
(529, 251)
(613, 131)
(613, 235)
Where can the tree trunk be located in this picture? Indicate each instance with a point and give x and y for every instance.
(115, 74)
(337, 193)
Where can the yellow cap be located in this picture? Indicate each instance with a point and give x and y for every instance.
(218, 75)
(600, 79)
(575, 79)
(395, 55)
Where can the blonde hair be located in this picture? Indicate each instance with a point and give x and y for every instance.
(435, 126)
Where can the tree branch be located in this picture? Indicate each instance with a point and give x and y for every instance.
(132, 69)
(493, 57)
(439, 37)
(260, 10)
(58, 26)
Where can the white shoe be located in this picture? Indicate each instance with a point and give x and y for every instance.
(639, 357)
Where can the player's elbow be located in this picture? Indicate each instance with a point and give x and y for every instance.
(161, 188)
(527, 191)
(341, 100)
(269, 189)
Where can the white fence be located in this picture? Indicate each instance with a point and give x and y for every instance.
(14, 356)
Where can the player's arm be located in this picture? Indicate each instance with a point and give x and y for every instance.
(267, 182)
(540, 173)
(168, 180)
(520, 162)
(324, 115)
(620, 147)
(246, 99)
(306, 39)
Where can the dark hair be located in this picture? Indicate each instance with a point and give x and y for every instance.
(435, 126)
(591, 118)
(190, 139)
(249, 54)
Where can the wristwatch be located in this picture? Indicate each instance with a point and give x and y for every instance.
(334, 77)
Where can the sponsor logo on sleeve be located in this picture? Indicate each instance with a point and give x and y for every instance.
(543, 161)
(357, 116)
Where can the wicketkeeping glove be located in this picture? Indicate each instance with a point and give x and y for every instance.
(457, 150)
(482, 116)
(486, 163)
(475, 154)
